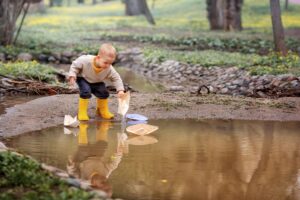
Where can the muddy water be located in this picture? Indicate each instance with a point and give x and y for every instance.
(138, 82)
(8, 101)
(181, 160)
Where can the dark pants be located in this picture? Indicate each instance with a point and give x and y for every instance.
(87, 89)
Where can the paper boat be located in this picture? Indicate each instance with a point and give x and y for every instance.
(67, 131)
(141, 129)
(70, 121)
(123, 105)
(137, 117)
(142, 140)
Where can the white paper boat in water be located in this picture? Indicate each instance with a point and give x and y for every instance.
(67, 131)
(141, 129)
(142, 140)
(70, 121)
(123, 105)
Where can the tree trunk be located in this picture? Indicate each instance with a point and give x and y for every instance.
(286, 4)
(9, 13)
(215, 14)
(278, 31)
(51, 3)
(10, 10)
(80, 1)
(138, 7)
(153, 4)
(94, 2)
(224, 14)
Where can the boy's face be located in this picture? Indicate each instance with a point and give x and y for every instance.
(104, 61)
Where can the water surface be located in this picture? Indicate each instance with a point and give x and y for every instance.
(183, 159)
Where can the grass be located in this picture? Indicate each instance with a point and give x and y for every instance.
(29, 70)
(179, 23)
(23, 178)
(183, 17)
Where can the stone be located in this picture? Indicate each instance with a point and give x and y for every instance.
(261, 94)
(282, 85)
(43, 58)
(51, 59)
(232, 87)
(9, 57)
(2, 57)
(67, 54)
(2, 146)
(238, 82)
(136, 51)
(176, 88)
(224, 90)
(295, 83)
(211, 88)
(276, 82)
(24, 57)
(65, 60)
(283, 77)
(291, 78)
(56, 55)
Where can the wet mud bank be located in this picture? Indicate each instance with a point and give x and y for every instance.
(49, 111)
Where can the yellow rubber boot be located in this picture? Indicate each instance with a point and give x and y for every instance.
(82, 136)
(82, 109)
(102, 129)
(102, 109)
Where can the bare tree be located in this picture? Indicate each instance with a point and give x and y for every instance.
(51, 3)
(10, 10)
(138, 7)
(55, 3)
(224, 14)
(9, 13)
(278, 31)
(286, 4)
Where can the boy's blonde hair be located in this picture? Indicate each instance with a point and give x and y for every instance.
(108, 50)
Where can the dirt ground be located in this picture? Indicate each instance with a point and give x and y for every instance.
(49, 111)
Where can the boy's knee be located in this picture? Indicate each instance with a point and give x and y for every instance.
(85, 95)
(105, 95)
(102, 94)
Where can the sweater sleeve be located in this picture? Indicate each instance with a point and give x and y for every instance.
(76, 67)
(115, 78)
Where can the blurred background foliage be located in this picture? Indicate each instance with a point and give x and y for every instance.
(180, 25)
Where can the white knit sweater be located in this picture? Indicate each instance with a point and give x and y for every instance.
(83, 67)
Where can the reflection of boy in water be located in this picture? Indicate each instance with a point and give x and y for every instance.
(89, 163)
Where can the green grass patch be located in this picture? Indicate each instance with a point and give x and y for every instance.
(67, 25)
(91, 45)
(29, 70)
(23, 178)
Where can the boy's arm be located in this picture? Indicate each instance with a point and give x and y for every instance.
(115, 78)
(75, 68)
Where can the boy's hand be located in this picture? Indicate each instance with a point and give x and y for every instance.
(71, 81)
(121, 94)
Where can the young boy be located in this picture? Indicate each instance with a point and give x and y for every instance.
(89, 72)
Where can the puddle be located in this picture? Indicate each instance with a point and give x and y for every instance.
(183, 159)
(9, 101)
(138, 82)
